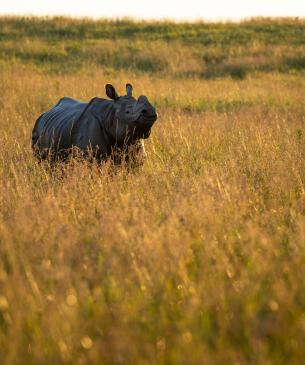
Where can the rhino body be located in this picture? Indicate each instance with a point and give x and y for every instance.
(98, 129)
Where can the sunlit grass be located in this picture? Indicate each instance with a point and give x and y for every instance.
(197, 257)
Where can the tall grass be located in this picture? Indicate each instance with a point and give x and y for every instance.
(196, 258)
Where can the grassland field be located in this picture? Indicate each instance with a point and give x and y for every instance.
(198, 257)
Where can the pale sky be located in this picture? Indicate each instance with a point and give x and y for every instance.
(157, 9)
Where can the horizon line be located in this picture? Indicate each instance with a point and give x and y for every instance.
(155, 19)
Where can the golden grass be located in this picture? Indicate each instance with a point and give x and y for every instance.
(196, 258)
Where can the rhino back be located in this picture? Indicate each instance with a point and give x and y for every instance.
(52, 130)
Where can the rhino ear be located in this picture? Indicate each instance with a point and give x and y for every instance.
(110, 92)
(129, 90)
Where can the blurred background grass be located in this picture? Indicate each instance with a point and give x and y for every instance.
(203, 50)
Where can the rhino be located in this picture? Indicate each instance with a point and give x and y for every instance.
(98, 130)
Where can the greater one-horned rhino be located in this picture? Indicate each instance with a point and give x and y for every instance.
(98, 129)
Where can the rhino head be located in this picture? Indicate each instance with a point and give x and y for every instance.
(133, 118)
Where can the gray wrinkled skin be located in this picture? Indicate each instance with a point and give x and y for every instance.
(98, 129)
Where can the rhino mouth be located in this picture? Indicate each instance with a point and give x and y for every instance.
(144, 124)
(141, 132)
